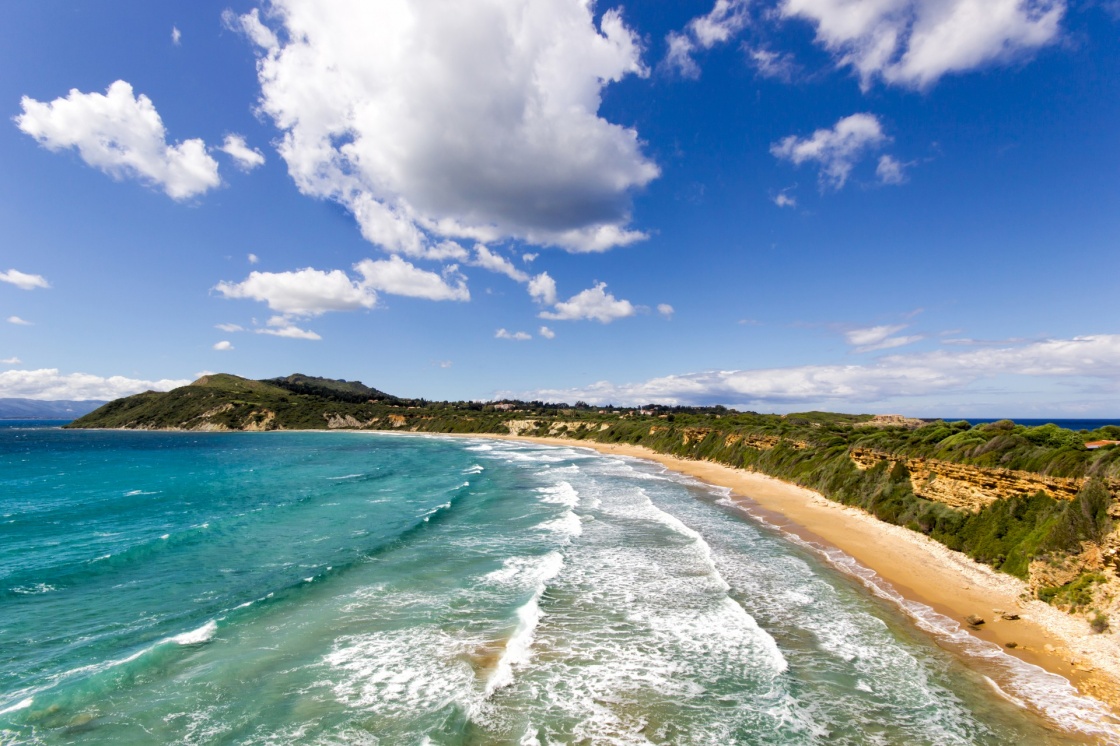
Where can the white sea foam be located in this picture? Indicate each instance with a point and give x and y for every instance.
(474, 469)
(518, 646)
(33, 590)
(345, 476)
(561, 493)
(568, 525)
(203, 634)
(444, 506)
(22, 705)
(400, 673)
(133, 493)
(1020, 682)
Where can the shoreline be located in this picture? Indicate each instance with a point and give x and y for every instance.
(918, 568)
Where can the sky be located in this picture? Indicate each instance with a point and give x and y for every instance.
(881, 206)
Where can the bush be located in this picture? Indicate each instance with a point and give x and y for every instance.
(1085, 518)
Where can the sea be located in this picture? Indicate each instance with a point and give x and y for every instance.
(1067, 423)
(367, 588)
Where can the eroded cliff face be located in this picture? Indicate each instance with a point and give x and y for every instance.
(970, 488)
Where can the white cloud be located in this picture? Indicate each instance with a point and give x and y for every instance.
(122, 135)
(18, 321)
(724, 21)
(245, 157)
(312, 292)
(782, 199)
(890, 171)
(11, 361)
(769, 64)
(915, 42)
(836, 150)
(594, 303)
(445, 364)
(874, 338)
(304, 292)
(431, 120)
(1071, 360)
(547, 333)
(229, 327)
(48, 384)
(176, 35)
(496, 263)
(24, 281)
(223, 346)
(396, 276)
(542, 289)
(282, 326)
(529, 257)
(253, 259)
(515, 336)
(665, 310)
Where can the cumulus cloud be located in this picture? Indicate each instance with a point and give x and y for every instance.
(431, 120)
(223, 346)
(542, 289)
(883, 337)
(1091, 357)
(176, 36)
(253, 258)
(245, 157)
(547, 333)
(304, 292)
(122, 135)
(397, 277)
(835, 150)
(515, 336)
(10, 361)
(915, 42)
(18, 321)
(48, 384)
(665, 310)
(24, 281)
(724, 21)
(782, 199)
(312, 292)
(594, 303)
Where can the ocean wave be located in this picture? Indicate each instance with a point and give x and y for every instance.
(518, 646)
(203, 634)
(33, 590)
(567, 525)
(1050, 695)
(561, 493)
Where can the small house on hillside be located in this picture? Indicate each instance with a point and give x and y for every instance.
(1093, 445)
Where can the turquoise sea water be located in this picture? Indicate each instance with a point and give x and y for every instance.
(339, 588)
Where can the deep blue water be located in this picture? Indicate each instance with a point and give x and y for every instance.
(371, 588)
(1068, 424)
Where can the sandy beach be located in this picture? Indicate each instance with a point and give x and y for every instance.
(918, 568)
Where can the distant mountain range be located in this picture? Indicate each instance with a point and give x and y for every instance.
(33, 409)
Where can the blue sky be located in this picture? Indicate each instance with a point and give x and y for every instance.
(853, 205)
